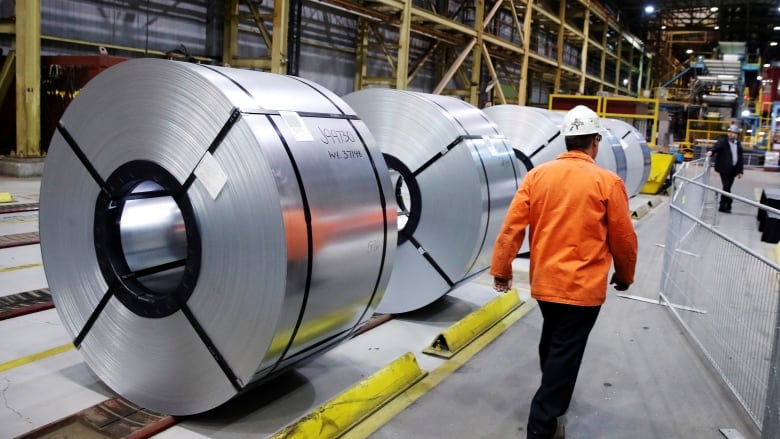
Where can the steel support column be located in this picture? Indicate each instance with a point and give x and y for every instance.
(230, 34)
(522, 90)
(404, 35)
(279, 37)
(585, 49)
(476, 57)
(28, 78)
(560, 43)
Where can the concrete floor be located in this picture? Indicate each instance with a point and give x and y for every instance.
(641, 377)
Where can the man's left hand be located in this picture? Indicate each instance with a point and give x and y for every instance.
(619, 285)
(502, 285)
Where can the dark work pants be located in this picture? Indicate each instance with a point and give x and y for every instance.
(727, 179)
(565, 333)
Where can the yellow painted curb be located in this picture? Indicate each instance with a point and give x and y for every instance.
(335, 417)
(5, 197)
(390, 410)
(35, 357)
(20, 267)
(463, 332)
(640, 211)
(655, 201)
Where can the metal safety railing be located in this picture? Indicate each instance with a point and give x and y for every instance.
(725, 294)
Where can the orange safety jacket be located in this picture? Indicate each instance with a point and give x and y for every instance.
(579, 220)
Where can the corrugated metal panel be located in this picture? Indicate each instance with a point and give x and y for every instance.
(153, 25)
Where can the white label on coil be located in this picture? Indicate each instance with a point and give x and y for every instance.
(296, 125)
(491, 147)
(211, 175)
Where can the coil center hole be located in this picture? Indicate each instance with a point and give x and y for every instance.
(153, 236)
(403, 198)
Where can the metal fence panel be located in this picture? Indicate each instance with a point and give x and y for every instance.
(725, 295)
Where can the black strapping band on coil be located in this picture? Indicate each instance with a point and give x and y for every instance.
(82, 157)
(302, 114)
(523, 159)
(430, 260)
(94, 316)
(319, 92)
(145, 195)
(231, 121)
(458, 140)
(309, 239)
(129, 288)
(114, 267)
(415, 196)
(223, 365)
(541, 147)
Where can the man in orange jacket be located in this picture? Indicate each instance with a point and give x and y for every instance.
(578, 219)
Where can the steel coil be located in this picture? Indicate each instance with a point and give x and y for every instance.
(203, 228)
(454, 175)
(536, 132)
(636, 151)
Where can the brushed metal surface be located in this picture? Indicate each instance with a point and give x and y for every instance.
(291, 205)
(636, 151)
(466, 174)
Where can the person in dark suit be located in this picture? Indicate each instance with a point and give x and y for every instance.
(728, 163)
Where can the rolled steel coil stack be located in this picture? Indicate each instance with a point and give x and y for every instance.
(455, 175)
(204, 227)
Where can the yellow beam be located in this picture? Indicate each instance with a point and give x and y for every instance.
(251, 63)
(28, 78)
(454, 67)
(560, 43)
(404, 37)
(7, 74)
(142, 50)
(585, 48)
(230, 32)
(522, 91)
(279, 37)
(361, 59)
(476, 55)
(7, 27)
(333, 418)
(493, 75)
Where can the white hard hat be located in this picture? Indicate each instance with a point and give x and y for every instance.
(734, 129)
(580, 120)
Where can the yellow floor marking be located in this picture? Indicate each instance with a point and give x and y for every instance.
(21, 267)
(35, 357)
(19, 221)
(373, 422)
